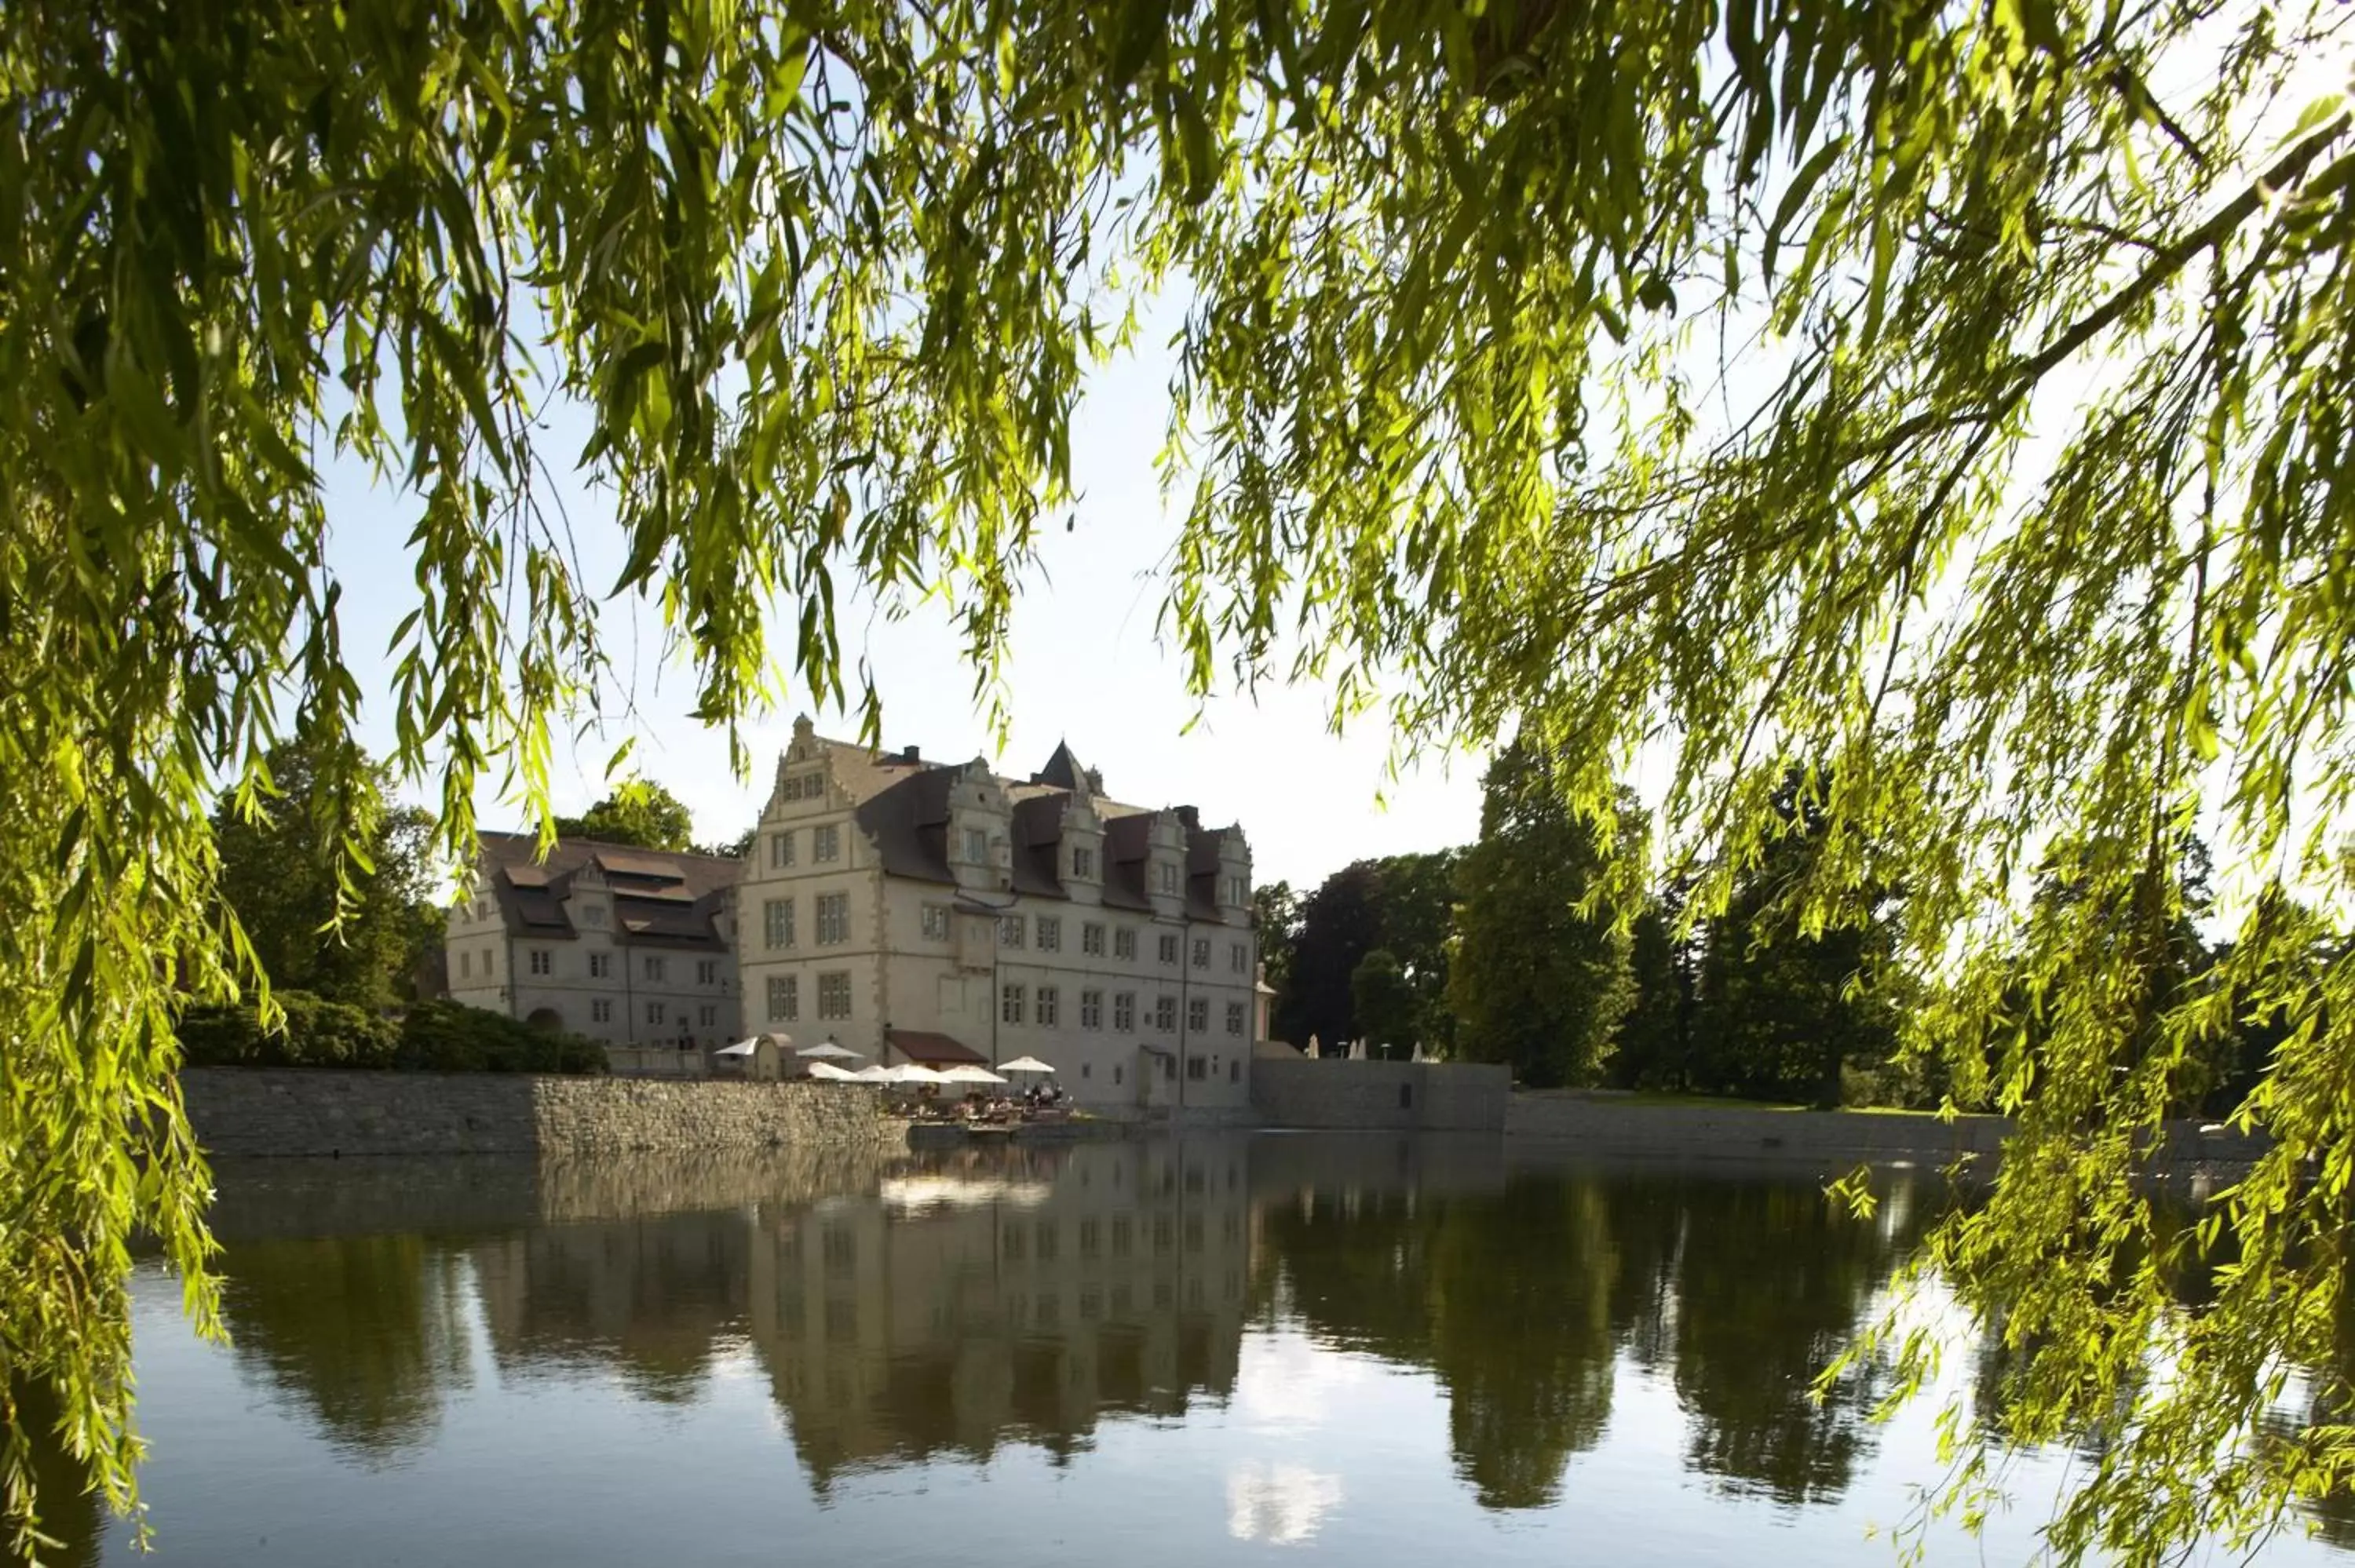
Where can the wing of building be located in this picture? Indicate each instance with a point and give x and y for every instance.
(917, 911)
(629, 945)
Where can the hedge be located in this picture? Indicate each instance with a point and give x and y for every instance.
(432, 1037)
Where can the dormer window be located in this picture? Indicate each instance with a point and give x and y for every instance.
(1083, 861)
(976, 846)
(1168, 870)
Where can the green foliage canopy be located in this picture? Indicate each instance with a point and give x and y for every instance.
(1539, 979)
(639, 813)
(1445, 423)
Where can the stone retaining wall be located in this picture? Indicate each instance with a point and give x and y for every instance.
(1334, 1092)
(240, 1111)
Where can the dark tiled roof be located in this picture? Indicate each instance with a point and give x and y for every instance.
(907, 818)
(1037, 829)
(1127, 841)
(659, 899)
(1062, 769)
(932, 1050)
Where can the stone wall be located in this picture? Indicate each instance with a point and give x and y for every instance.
(242, 1111)
(1601, 1124)
(1334, 1092)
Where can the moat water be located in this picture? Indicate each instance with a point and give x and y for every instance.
(1370, 1349)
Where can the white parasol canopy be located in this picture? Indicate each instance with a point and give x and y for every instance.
(1023, 1064)
(826, 1050)
(968, 1073)
(914, 1074)
(873, 1074)
(741, 1048)
(830, 1073)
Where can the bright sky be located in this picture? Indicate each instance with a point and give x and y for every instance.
(1087, 668)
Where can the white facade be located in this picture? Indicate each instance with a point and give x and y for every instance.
(888, 902)
(625, 946)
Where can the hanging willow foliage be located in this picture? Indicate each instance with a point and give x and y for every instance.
(2017, 518)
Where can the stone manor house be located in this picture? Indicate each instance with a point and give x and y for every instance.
(910, 911)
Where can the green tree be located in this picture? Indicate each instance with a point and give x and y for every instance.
(1445, 422)
(1783, 1010)
(1275, 916)
(334, 894)
(1384, 1004)
(1340, 923)
(1415, 905)
(639, 813)
(1654, 1047)
(1540, 977)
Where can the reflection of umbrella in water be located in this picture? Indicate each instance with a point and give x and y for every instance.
(1023, 1064)
(968, 1073)
(829, 1051)
(830, 1073)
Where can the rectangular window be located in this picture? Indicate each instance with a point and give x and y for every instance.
(777, 924)
(1124, 1013)
(784, 999)
(601, 966)
(1234, 1018)
(833, 994)
(707, 1015)
(1083, 862)
(600, 1011)
(1194, 1066)
(1239, 957)
(706, 971)
(1198, 1015)
(1169, 947)
(1051, 1006)
(656, 968)
(976, 846)
(1201, 952)
(1165, 1013)
(1009, 930)
(491, 961)
(1235, 1070)
(1168, 869)
(1009, 1005)
(833, 919)
(781, 850)
(466, 963)
(1123, 943)
(826, 842)
(653, 1013)
(1091, 938)
(543, 962)
(936, 922)
(1050, 934)
(1091, 1010)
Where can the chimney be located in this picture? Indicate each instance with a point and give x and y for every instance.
(911, 754)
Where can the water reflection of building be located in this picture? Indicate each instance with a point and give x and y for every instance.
(1020, 1299)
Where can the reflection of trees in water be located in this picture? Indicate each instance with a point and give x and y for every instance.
(365, 1330)
(1520, 1300)
(1772, 1283)
(648, 1297)
(69, 1511)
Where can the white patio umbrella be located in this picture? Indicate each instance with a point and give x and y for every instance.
(741, 1048)
(1023, 1064)
(969, 1073)
(826, 1050)
(913, 1073)
(872, 1074)
(830, 1073)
